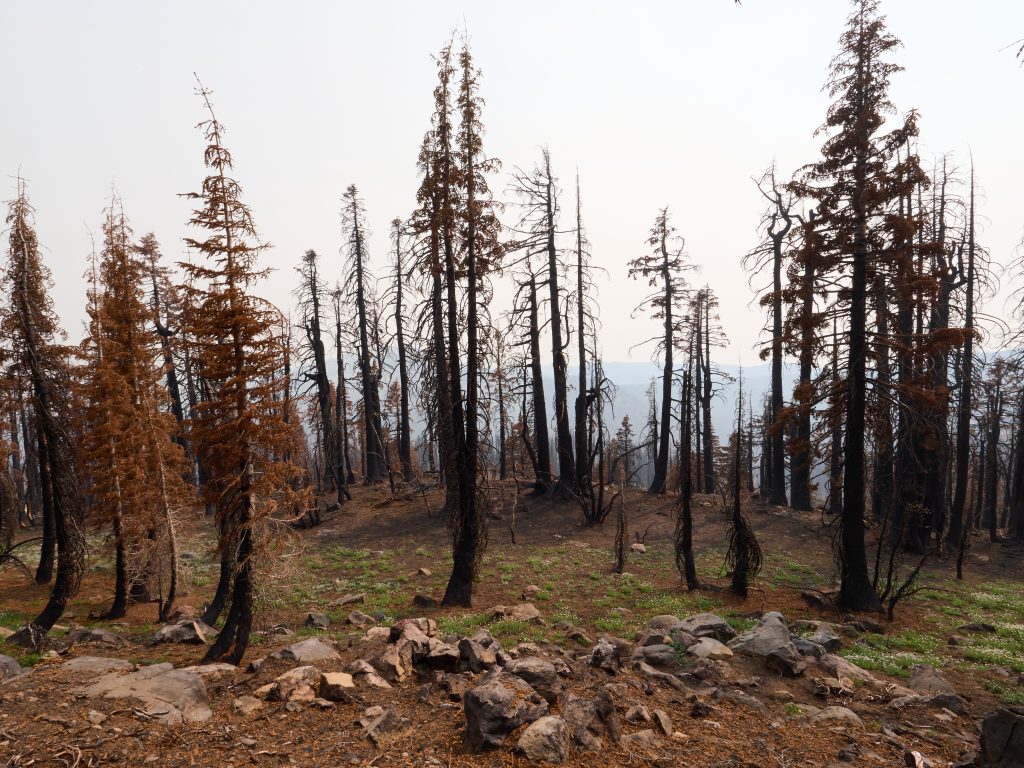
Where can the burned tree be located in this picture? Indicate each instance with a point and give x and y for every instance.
(663, 270)
(35, 358)
(358, 292)
(239, 432)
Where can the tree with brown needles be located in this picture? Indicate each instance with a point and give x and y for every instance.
(36, 359)
(481, 254)
(239, 431)
(663, 269)
(849, 185)
(131, 461)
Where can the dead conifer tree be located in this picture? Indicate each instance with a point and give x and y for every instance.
(39, 361)
(134, 466)
(359, 293)
(239, 431)
(663, 270)
(744, 555)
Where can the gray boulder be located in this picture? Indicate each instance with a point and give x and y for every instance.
(190, 631)
(770, 640)
(590, 720)
(96, 635)
(657, 655)
(546, 741)
(1002, 739)
(540, 674)
(318, 620)
(827, 639)
(295, 685)
(8, 668)
(709, 648)
(497, 707)
(838, 714)
(706, 625)
(386, 727)
(924, 679)
(477, 657)
(309, 650)
(662, 623)
(169, 695)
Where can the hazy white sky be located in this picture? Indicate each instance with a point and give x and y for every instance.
(672, 103)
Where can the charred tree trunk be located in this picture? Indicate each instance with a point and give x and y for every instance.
(963, 421)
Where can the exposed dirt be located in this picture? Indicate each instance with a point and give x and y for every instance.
(43, 723)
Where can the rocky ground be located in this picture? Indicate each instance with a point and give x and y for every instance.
(688, 691)
(582, 667)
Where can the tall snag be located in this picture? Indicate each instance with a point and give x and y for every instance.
(240, 431)
(663, 270)
(30, 324)
(359, 293)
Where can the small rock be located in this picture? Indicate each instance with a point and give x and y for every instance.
(359, 619)
(546, 741)
(709, 648)
(956, 640)
(521, 612)
(978, 626)
(318, 620)
(706, 625)
(540, 674)
(530, 592)
(841, 714)
(423, 601)
(476, 656)
(663, 721)
(246, 705)
(657, 655)
(387, 726)
(337, 686)
(925, 679)
(350, 599)
(646, 738)
(638, 713)
(365, 675)
(9, 668)
(827, 639)
(637, 547)
(309, 650)
(94, 717)
(186, 631)
(424, 572)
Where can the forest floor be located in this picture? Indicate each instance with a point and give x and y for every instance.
(389, 550)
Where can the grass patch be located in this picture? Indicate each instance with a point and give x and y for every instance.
(1009, 696)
